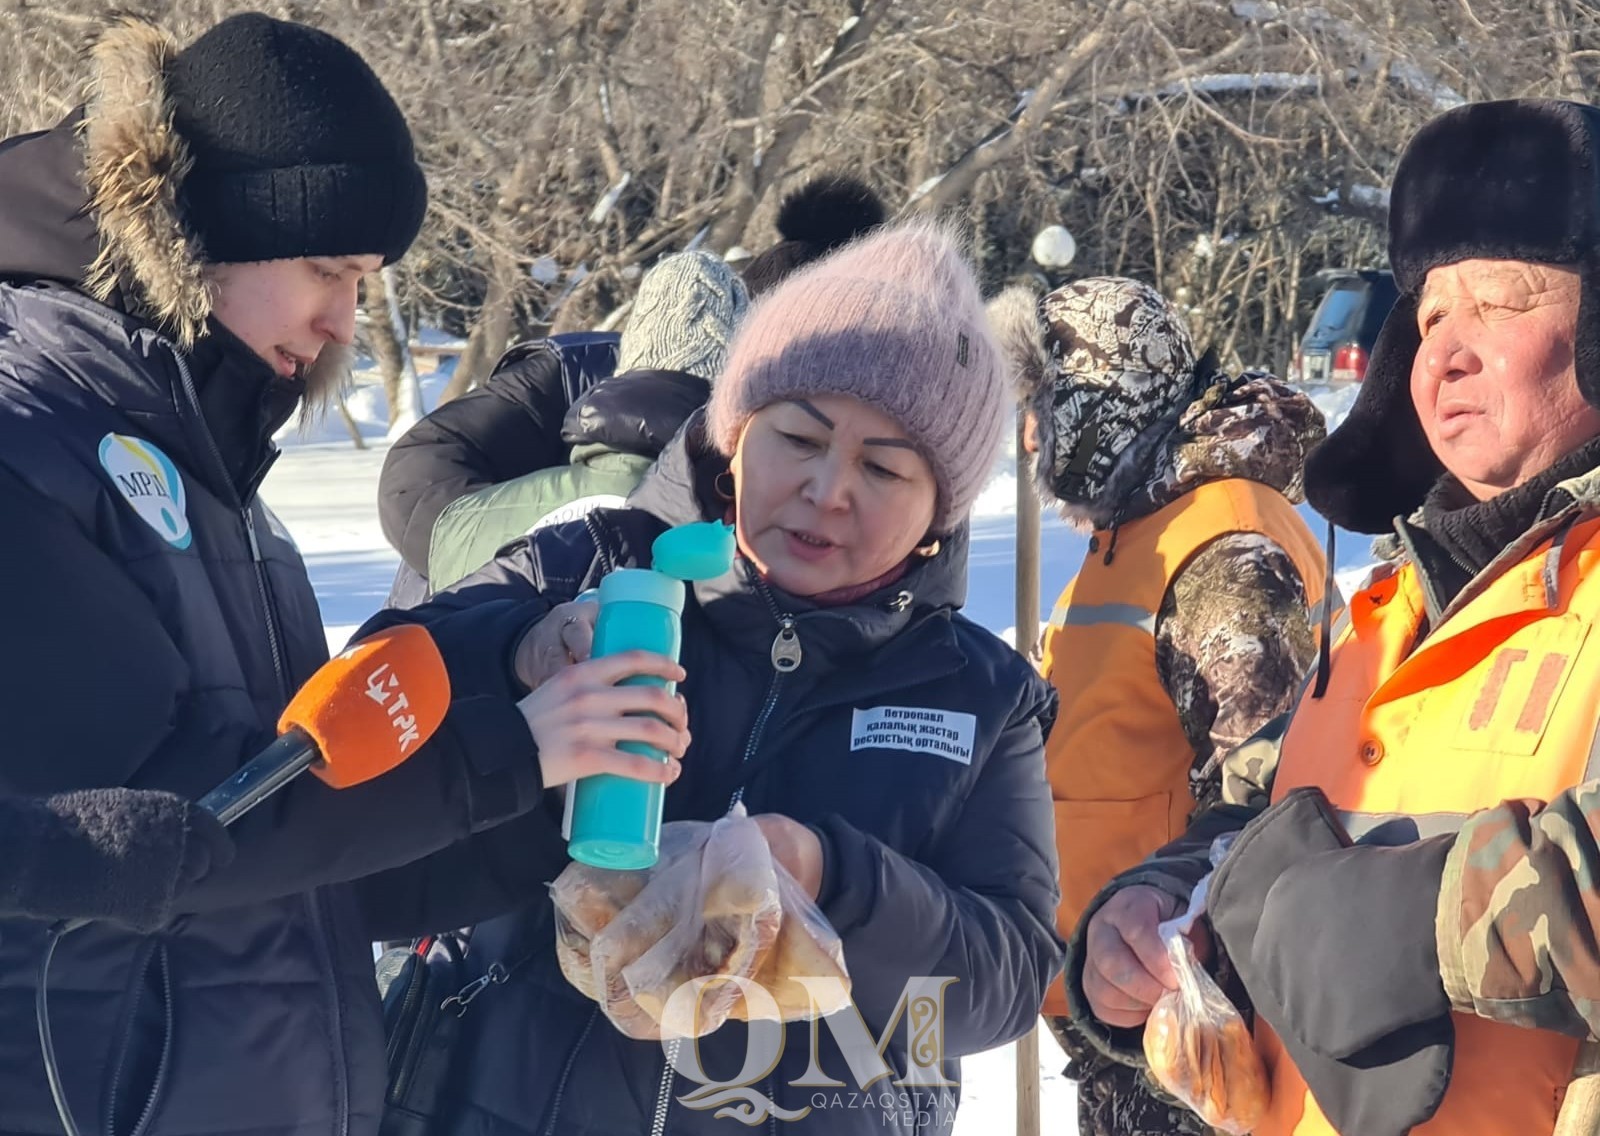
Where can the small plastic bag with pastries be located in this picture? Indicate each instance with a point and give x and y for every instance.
(659, 949)
(1196, 1042)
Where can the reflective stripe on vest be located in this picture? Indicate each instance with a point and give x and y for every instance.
(1412, 738)
(1320, 609)
(1118, 759)
(1090, 615)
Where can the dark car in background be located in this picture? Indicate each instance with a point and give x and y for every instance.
(1339, 342)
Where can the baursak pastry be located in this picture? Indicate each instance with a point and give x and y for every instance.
(1217, 1072)
(797, 954)
(740, 924)
(586, 901)
(641, 927)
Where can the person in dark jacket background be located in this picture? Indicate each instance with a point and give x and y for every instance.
(857, 420)
(506, 428)
(511, 426)
(179, 264)
(675, 344)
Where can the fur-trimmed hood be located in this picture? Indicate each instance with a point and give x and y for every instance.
(1014, 315)
(94, 202)
(134, 166)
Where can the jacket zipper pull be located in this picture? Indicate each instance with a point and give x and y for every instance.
(786, 652)
(250, 533)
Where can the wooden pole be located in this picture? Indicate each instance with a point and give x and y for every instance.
(1027, 640)
(1027, 613)
(1028, 1095)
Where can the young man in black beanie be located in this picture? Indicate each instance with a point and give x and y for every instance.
(179, 264)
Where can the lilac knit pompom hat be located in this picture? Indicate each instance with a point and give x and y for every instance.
(896, 320)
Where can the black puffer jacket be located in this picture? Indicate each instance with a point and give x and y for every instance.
(159, 620)
(508, 427)
(637, 412)
(937, 863)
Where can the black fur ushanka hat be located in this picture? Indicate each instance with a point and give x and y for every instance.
(1512, 180)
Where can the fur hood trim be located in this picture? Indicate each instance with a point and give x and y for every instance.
(134, 166)
(1014, 316)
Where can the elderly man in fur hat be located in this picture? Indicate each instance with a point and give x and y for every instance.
(179, 266)
(1190, 623)
(1411, 902)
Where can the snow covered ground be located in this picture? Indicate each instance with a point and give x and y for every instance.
(326, 493)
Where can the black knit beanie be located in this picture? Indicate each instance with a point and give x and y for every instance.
(1511, 180)
(297, 148)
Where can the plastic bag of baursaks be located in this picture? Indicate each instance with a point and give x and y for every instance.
(727, 911)
(707, 910)
(660, 949)
(1196, 1042)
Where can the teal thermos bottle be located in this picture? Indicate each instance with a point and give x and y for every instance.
(616, 821)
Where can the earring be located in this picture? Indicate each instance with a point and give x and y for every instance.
(724, 492)
(929, 548)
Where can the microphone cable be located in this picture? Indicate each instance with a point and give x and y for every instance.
(41, 1013)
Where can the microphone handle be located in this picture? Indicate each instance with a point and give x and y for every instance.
(260, 777)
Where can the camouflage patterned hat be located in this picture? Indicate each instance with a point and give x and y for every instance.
(1119, 364)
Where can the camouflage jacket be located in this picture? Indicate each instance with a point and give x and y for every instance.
(1514, 872)
(1233, 638)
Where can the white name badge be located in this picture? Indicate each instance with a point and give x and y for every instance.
(943, 733)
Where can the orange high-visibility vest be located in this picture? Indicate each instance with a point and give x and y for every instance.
(1499, 702)
(1117, 759)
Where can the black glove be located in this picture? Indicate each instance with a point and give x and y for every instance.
(1361, 920)
(122, 855)
(1384, 1089)
(1301, 825)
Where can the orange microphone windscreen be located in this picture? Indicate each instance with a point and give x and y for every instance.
(373, 705)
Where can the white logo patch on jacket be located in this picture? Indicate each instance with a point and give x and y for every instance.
(949, 734)
(577, 510)
(150, 483)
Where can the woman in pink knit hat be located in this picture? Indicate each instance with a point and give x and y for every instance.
(891, 750)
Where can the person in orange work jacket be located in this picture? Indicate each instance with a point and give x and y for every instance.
(1191, 622)
(1411, 903)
